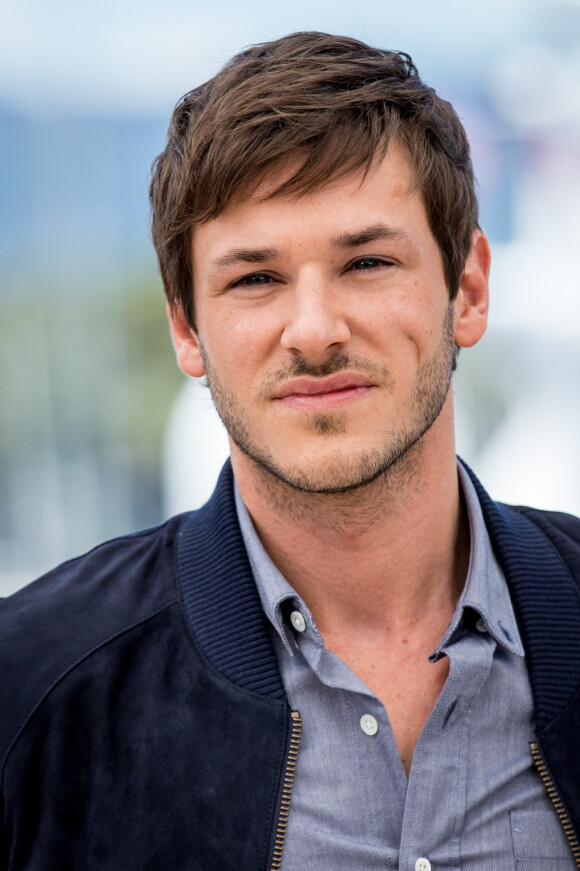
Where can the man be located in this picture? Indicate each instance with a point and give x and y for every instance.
(351, 658)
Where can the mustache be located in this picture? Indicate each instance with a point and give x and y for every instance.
(337, 363)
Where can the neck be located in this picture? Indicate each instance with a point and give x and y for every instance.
(398, 546)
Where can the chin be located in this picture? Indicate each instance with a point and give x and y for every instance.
(337, 472)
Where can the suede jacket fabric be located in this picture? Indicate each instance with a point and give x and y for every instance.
(143, 720)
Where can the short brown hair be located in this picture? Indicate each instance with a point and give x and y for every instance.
(335, 100)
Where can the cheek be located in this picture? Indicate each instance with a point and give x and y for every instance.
(420, 317)
(239, 345)
(402, 329)
(251, 331)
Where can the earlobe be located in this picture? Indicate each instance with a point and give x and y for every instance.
(472, 301)
(186, 343)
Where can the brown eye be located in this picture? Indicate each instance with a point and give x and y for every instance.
(254, 280)
(366, 264)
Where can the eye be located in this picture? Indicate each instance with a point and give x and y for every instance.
(255, 279)
(369, 264)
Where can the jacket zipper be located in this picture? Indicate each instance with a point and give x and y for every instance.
(289, 774)
(557, 802)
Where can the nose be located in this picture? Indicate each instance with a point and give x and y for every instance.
(315, 326)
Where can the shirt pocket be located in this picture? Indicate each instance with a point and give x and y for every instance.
(539, 842)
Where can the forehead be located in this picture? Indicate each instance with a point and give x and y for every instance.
(312, 179)
(393, 173)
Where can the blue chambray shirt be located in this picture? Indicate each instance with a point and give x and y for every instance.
(472, 800)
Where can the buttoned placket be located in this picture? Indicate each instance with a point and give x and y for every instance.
(446, 732)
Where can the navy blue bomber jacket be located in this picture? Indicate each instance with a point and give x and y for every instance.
(143, 720)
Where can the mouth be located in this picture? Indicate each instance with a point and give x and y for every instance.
(320, 393)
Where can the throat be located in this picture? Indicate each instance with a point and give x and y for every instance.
(339, 504)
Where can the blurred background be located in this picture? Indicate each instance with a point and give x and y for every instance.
(99, 433)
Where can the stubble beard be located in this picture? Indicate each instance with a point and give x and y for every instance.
(339, 473)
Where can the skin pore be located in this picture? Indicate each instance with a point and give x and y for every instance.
(325, 330)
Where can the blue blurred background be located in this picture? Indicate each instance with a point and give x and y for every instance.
(99, 433)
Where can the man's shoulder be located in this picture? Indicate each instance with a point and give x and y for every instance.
(551, 522)
(113, 574)
(562, 530)
(77, 608)
(513, 527)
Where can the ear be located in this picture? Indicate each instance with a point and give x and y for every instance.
(472, 301)
(186, 343)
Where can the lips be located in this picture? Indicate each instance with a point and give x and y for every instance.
(323, 386)
(317, 394)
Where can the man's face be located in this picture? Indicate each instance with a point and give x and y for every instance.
(324, 327)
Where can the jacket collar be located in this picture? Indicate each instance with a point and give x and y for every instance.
(220, 596)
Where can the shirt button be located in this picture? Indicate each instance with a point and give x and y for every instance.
(422, 865)
(481, 625)
(368, 724)
(298, 621)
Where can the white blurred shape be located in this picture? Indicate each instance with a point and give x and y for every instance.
(536, 289)
(195, 448)
(531, 459)
(533, 86)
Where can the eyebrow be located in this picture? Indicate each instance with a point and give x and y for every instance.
(244, 255)
(370, 234)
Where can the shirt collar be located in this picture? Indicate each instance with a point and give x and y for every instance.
(485, 590)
